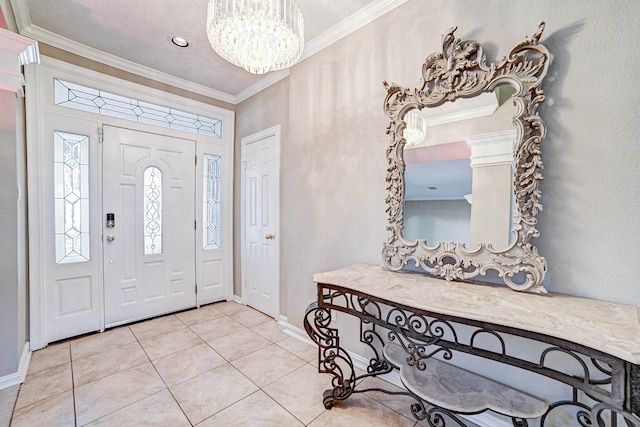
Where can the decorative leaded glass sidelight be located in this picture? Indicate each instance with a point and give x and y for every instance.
(71, 197)
(85, 98)
(152, 205)
(211, 202)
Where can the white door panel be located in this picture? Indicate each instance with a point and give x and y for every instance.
(260, 189)
(72, 255)
(68, 292)
(148, 184)
(213, 234)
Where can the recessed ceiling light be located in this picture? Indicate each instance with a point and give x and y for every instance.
(179, 41)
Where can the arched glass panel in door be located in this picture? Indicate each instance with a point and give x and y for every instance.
(152, 211)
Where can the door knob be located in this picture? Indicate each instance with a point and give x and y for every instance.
(270, 236)
(110, 237)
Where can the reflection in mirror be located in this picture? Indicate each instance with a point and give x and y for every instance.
(504, 161)
(458, 175)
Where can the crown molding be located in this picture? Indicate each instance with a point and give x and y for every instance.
(21, 14)
(471, 113)
(345, 27)
(491, 149)
(261, 84)
(348, 25)
(9, 16)
(23, 20)
(15, 51)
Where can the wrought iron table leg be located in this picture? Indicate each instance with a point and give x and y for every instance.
(332, 358)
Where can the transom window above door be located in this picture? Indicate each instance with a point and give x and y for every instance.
(85, 98)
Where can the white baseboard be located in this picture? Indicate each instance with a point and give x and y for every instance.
(19, 376)
(237, 299)
(485, 419)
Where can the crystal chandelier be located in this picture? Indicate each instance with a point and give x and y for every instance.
(257, 35)
(416, 128)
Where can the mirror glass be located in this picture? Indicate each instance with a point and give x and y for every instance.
(459, 171)
(443, 154)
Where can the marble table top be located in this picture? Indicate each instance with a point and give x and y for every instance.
(609, 327)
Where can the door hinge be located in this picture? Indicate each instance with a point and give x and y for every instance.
(196, 159)
(195, 224)
(100, 135)
(196, 289)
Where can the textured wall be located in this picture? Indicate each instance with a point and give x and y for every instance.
(333, 163)
(334, 166)
(262, 111)
(335, 156)
(10, 324)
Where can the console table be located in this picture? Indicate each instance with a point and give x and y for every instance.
(407, 318)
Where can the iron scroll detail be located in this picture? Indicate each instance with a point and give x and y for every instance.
(604, 388)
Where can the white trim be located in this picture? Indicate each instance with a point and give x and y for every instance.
(23, 367)
(485, 419)
(260, 85)
(39, 104)
(35, 262)
(348, 25)
(21, 14)
(76, 48)
(15, 50)
(236, 298)
(342, 29)
(276, 132)
(490, 149)
(7, 10)
(25, 361)
(472, 113)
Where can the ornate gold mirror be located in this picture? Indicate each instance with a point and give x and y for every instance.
(481, 163)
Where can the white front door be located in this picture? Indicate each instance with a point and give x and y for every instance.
(149, 259)
(260, 221)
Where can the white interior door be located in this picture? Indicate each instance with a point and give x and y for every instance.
(260, 221)
(149, 260)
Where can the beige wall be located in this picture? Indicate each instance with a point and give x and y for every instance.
(262, 111)
(71, 58)
(334, 167)
(333, 163)
(13, 292)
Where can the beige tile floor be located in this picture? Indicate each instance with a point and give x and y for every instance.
(220, 365)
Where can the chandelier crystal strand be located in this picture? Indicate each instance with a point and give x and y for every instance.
(416, 128)
(257, 35)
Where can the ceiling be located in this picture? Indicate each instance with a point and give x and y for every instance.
(135, 36)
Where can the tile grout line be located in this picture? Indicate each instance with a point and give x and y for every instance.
(125, 370)
(271, 337)
(260, 389)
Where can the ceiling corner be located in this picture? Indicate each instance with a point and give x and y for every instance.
(20, 14)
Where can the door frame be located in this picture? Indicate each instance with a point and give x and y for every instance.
(39, 101)
(274, 131)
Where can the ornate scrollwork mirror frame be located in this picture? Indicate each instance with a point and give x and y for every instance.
(461, 71)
